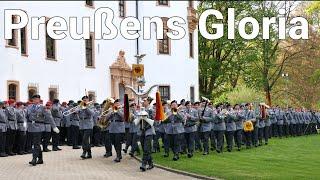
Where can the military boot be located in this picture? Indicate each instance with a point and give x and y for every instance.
(83, 156)
(89, 156)
(143, 166)
(33, 162)
(151, 166)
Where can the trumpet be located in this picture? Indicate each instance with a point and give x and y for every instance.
(174, 111)
(75, 109)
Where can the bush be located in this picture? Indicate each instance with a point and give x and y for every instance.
(241, 94)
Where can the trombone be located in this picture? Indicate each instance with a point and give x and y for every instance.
(81, 106)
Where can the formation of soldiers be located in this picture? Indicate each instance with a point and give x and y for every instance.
(188, 127)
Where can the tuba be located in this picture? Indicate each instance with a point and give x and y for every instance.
(248, 126)
(103, 123)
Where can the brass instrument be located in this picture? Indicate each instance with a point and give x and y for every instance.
(81, 106)
(174, 111)
(248, 126)
(103, 123)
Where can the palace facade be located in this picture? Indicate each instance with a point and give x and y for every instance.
(67, 69)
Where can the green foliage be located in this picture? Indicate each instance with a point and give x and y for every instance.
(241, 94)
(289, 158)
(221, 61)
(315, 77)
(314, 12)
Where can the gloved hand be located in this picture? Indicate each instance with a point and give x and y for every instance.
(25, 124)
(56, 130)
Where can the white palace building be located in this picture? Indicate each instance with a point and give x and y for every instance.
(67, 69)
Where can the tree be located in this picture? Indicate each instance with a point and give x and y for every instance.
(221, 61)
(271, 54)
(313, 10)
(302, 87)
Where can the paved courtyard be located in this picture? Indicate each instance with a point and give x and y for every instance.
(67, 164)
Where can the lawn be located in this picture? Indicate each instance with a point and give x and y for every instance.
(288, 158)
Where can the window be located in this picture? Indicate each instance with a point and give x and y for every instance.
(164, 92)
(50, 46)
(191, 45)
(31, 92)
(89, 3)
(92, 96)
(122, 8)
(190, 3)
(163, 3)
(89, 51)
(164, 44)
(53, 94)
(13, 40)
(192, 94)
(23, 42)
(13, 90)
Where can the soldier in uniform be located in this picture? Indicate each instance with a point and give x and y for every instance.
(205, 126)
(230, 127)
(28, 147)
(291, 118)
(314, 120)
(11, 127)
(3, 130)
(146, 132)
(249, 115)
(190, 127)
(64, 127)
(173, 129)
(96, 129)
(273, 120)
(165, 138)
(266, 130)
(46, 134)
(86, 125)
(37, 115)
(22, 128)
(197, 139)
(286, 123)
(256, 124)
(67, 119)
(280, 115)
(302, 121)
(116, 128)
(219, 128)
(261, 117)
(74, 127)
(106, 134)
(56, 112)
(239, 118)
(133, 133)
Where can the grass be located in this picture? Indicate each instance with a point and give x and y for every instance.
(288, 158)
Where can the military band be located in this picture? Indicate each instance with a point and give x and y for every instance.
(188, 127)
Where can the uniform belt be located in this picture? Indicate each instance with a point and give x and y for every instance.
(36, 122)
(2, 122)
(11, 120)
(46, 123)
(117, 121)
